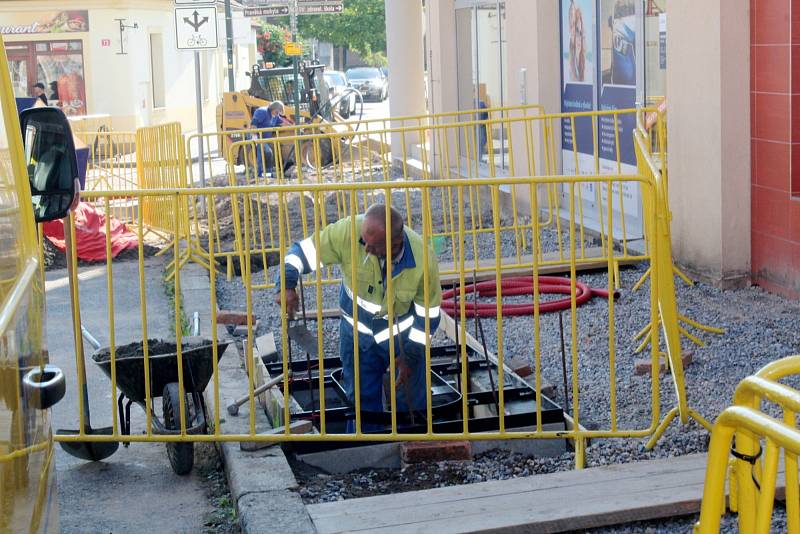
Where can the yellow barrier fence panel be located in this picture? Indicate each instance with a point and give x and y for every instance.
(746, 443)
(456, 318)
(476, 218)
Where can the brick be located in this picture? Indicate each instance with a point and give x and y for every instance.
(241, 330)
(521, 366)
(415, 452)
(233, 317)
(642, 366)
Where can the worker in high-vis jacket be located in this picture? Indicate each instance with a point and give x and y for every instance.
(405, 252)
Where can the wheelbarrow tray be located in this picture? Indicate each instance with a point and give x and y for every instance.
(196, 353)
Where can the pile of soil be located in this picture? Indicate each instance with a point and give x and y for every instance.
(56, 259)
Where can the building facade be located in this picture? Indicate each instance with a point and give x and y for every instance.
(118, 58)
(728, 69)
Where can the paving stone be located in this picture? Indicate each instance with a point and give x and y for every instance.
(435, 451)
(643, 367)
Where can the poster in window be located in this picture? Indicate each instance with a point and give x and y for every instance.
(578, 71)
(618, 79)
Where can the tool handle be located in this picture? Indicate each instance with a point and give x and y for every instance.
(259, 390)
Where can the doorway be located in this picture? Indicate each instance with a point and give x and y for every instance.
(481, 66)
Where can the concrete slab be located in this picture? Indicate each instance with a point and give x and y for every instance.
(340, 461)
(261, 482)
(274, 511)
(248, 472)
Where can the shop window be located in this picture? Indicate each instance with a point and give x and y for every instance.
(56, 64)
(157, 69)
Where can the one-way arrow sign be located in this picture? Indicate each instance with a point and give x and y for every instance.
(196, 27)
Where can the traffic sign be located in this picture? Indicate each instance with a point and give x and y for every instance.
(196, 27)
(266, 11)
(292, 49)
(269, 8)
(319, 8)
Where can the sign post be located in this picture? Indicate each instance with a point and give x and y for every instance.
(196, 29)
(295, 66)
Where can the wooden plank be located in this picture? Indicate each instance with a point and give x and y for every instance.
(601, 496)
(555, 268)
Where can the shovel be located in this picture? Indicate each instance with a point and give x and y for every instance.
(86, 450)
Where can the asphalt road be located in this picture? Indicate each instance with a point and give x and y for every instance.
(134, 490)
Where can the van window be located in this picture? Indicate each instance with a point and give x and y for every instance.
(10, 222)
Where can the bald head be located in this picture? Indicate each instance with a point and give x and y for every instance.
(373, 230)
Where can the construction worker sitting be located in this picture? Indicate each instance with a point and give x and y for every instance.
(372, 321)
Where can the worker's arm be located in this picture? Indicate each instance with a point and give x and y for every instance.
(260, 116)
(415, 346)
(303, 256)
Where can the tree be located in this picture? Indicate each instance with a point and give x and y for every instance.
(361, 27)
(270, 40)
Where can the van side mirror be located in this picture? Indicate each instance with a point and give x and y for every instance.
(51, 161)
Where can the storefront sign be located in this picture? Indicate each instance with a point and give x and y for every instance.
(45, 22)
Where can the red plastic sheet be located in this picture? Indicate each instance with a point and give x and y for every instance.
(90, 234)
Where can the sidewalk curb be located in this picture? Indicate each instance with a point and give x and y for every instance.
(261, 483)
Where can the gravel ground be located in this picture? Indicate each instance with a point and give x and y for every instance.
(760, 327)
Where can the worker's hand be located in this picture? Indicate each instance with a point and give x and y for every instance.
(403, 371)
(292, 301)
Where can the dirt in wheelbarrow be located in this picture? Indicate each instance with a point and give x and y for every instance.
(136, 350)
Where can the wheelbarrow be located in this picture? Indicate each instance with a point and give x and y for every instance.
(197, 354)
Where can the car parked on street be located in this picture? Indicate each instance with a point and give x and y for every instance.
(370, 81)
(337, 85)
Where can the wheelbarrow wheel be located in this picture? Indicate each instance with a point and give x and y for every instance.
(181, 454)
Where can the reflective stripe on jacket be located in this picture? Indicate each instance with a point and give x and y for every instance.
(371, 304)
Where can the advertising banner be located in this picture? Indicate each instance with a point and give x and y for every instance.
(598, 72)
(45, 22)
(618, 91)
(578, 72)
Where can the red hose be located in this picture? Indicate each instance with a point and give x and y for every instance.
(522, 286)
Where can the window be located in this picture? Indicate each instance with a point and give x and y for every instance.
(56, 64)
(157, 69)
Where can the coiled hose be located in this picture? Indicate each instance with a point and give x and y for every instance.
(522, 286)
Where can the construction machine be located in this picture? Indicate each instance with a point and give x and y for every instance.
(317, 110)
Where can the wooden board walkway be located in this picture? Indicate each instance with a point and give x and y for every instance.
(554, 502)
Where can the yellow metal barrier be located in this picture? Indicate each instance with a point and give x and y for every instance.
(111, 166)
(754, 466)
(464, 212)
(397, 189)
(361, 151)
(453, 151)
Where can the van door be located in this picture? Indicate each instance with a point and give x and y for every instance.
(28, 496)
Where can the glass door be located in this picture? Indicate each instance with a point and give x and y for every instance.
(655, 52)
(481, 65)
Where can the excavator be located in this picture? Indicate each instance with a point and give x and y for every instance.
(317, 108)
